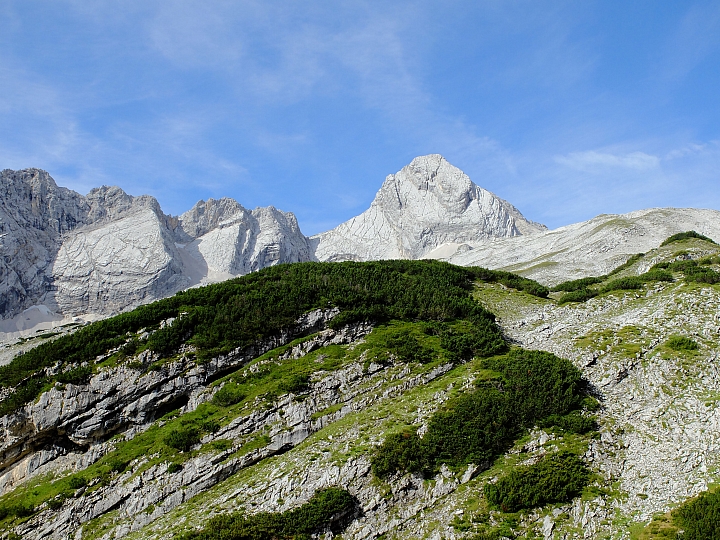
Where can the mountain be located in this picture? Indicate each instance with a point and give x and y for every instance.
(65, 254)
(591, 247)
(427, 204)
(396, 399)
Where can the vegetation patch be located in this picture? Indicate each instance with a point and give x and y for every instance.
(555, 478)
(695, 271)
(685, 236)
(580, 295)
(696, 519)
(477, 427)
(332, 508)
(681, 343)
(237, 313)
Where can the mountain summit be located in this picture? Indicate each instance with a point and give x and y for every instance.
(425, 205)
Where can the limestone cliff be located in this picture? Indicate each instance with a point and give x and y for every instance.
(427, 204)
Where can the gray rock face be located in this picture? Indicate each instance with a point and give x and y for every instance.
(34, 214)
(110, 251)
(223, 238)
(426, 204)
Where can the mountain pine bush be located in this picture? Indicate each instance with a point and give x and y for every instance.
(555, 478)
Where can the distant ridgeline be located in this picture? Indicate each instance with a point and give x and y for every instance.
(694, 271)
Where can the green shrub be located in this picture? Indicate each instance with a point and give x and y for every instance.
(408, 348)
(624, 284)
(477, 427)
(656, 275)
(19, 509)
(573, 422)
(510, 280)
(555, 478)
(221, 444)
(581, 295)
(209, 426)
(400, 452)
(78, 375)
(56, 503)
(295, 384)
(685, 236)
(477, 340)
(77, 482)
(577, 284)
(174, 467)
(237, 313)
(700, 518)
(118, 464)
(681, 343)
(182, 439)
(331, 508)
(228, 395)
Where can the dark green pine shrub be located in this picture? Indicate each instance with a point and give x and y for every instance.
(580, 295)
(477, 427)
(237, 313)
(295, 383)
(624, 284)
(573, 422)
(686, 236)
(183, 439)
(331, 508)
(400, 452)
(700, 518)
(681, 343)
(577, 284)
(510, 280)
(228, 395)
(555, 478)
(77, 482)
(408, 348)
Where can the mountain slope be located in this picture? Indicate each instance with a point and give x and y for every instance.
(426, 204)
(589, 248)
(258, 393)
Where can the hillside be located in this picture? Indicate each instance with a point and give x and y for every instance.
(392, 399)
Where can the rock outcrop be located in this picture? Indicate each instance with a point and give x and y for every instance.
(427, 204)
(109, 251)
(223, 238)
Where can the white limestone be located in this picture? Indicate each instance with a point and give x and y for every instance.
(589, 248)
(109, 251)
(427, 204)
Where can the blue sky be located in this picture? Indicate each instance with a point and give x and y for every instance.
(565, 109)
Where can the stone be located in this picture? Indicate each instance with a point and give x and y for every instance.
(427, 204)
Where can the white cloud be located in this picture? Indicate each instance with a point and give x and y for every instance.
(594, 161)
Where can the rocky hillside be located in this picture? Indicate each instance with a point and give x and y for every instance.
(375, 400)
(427, 204)
(591, 247)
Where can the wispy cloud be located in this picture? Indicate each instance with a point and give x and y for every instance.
(593, 161)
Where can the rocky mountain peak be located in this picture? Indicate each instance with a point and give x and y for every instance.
(208, 215)
(423, 206)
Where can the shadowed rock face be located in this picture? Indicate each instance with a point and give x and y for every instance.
(426, 204)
